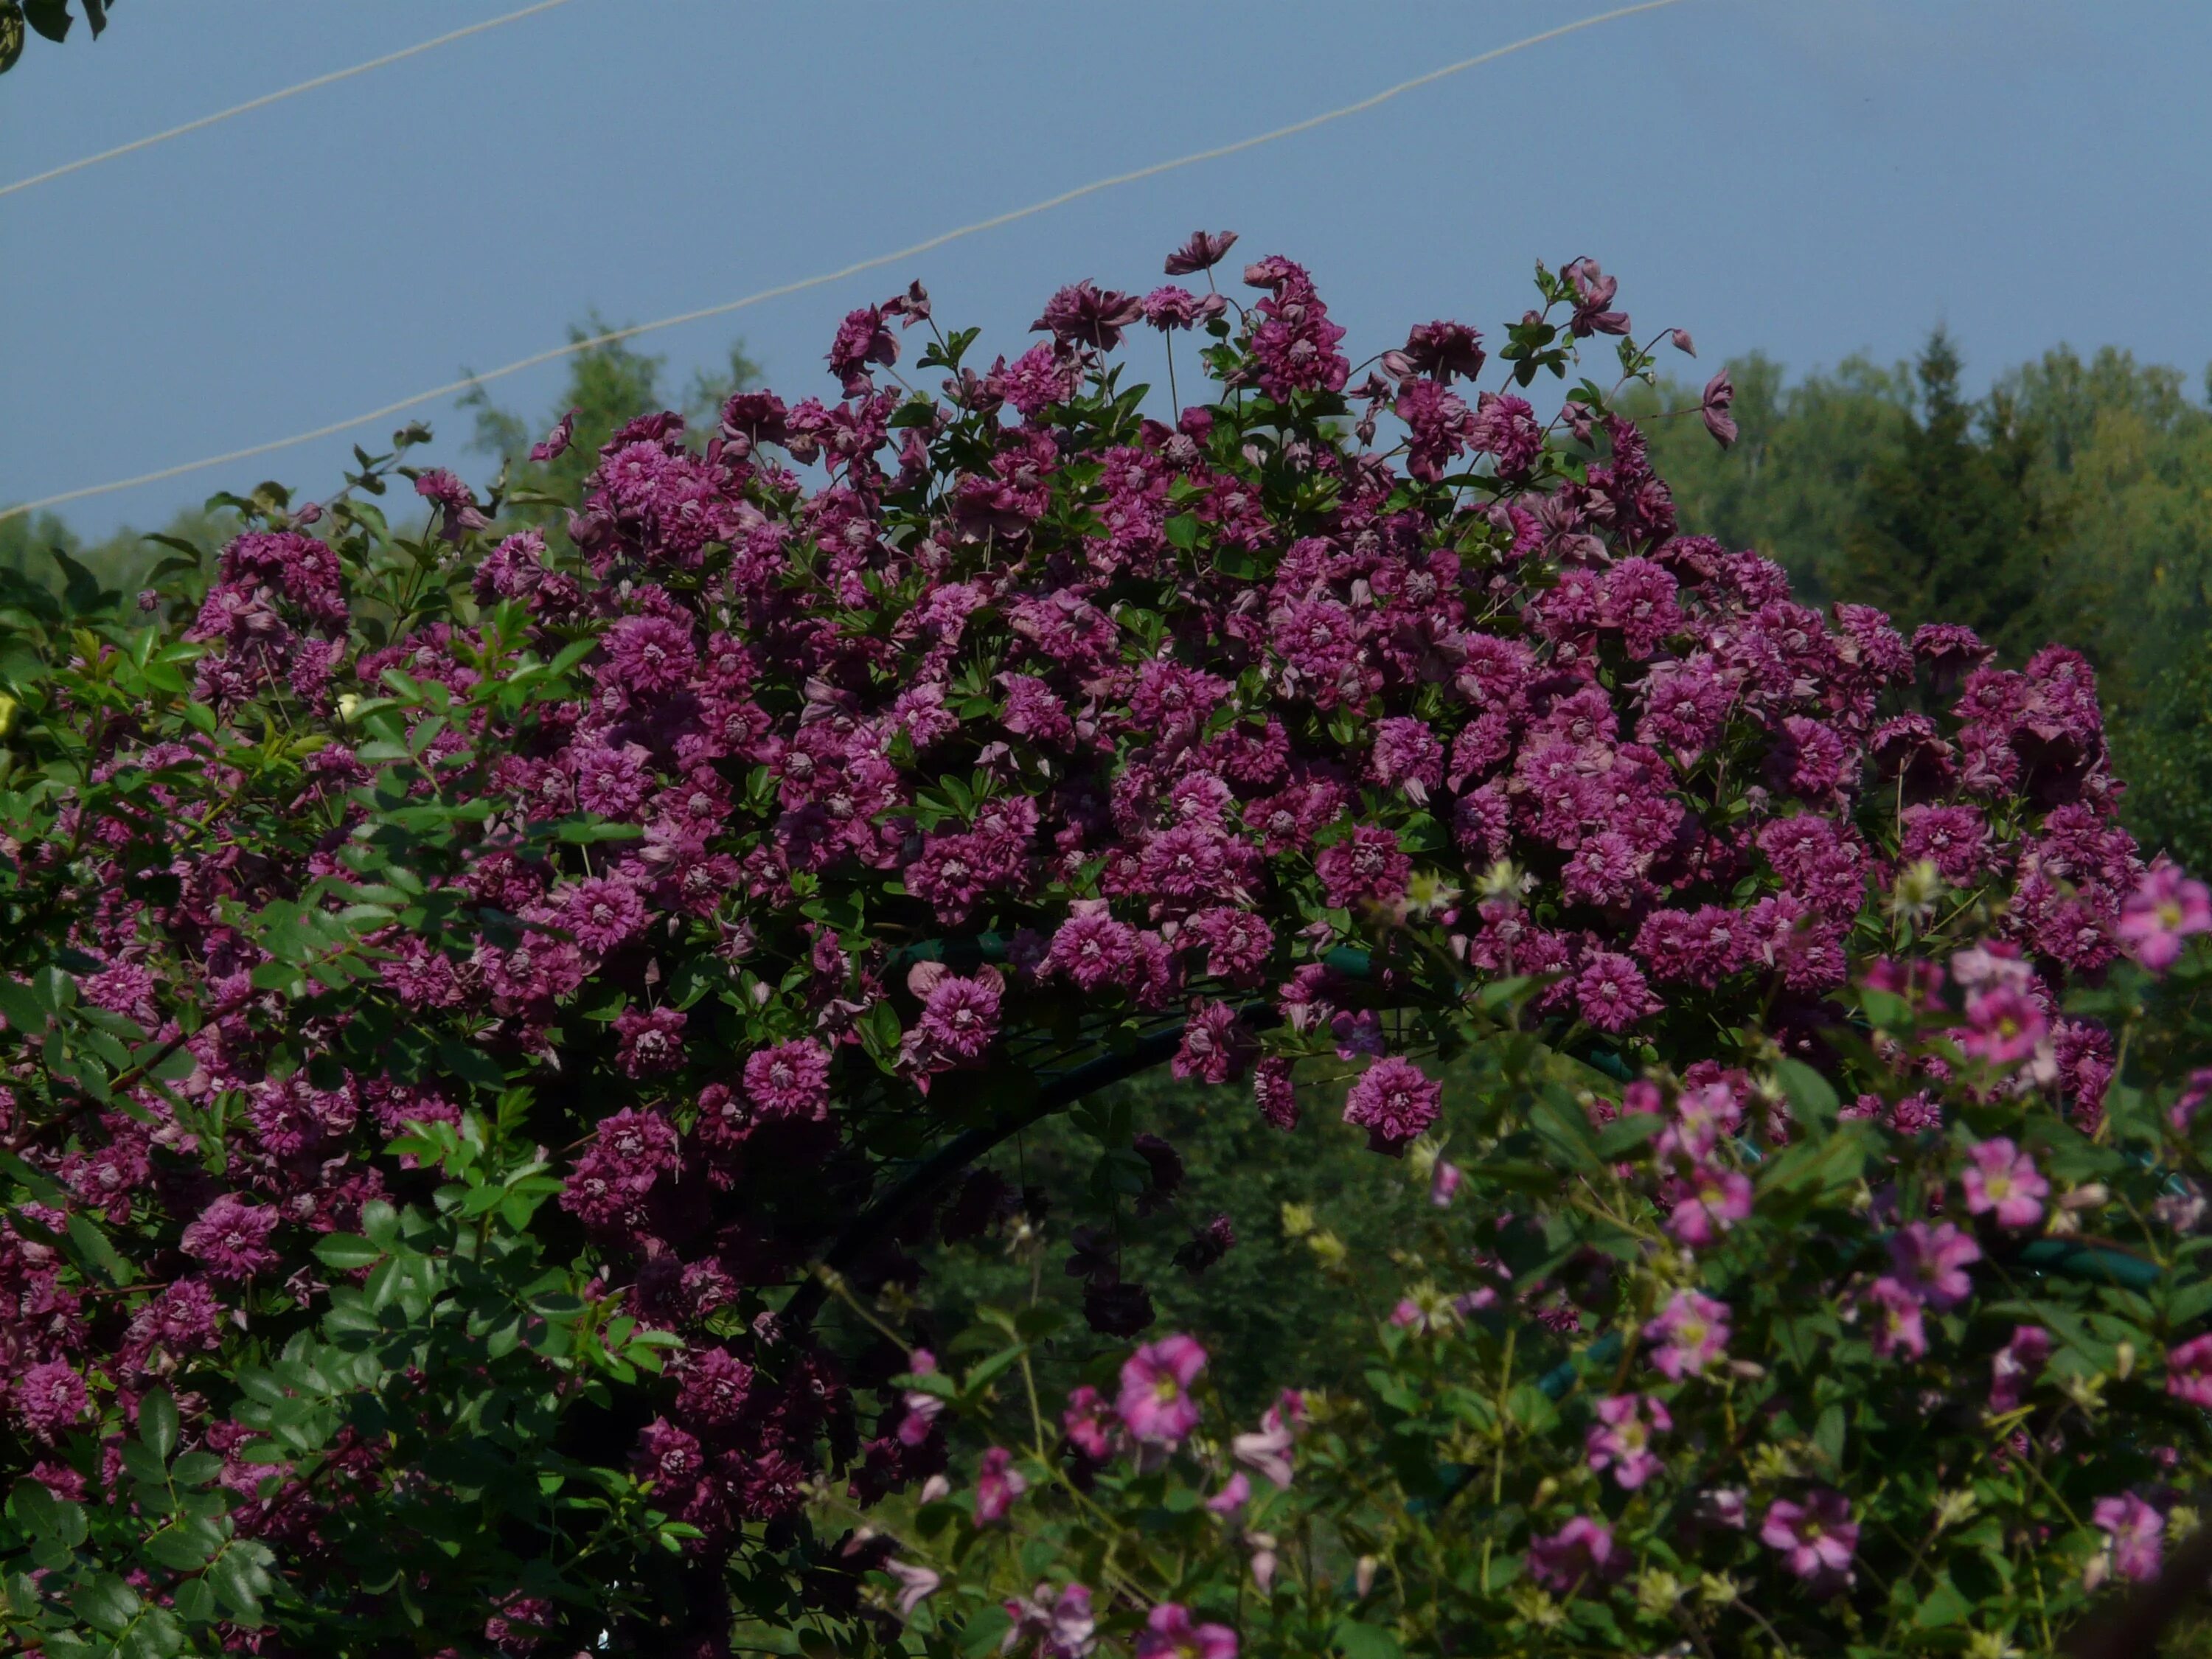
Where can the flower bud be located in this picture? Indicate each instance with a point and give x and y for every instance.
(1657, 1590)
(1954, 1507)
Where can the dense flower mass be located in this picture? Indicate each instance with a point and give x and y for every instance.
(840, 788)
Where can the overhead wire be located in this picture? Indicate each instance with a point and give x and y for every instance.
(913, 249)
(276, 97)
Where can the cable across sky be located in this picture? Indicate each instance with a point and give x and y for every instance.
(276, 97)
(897, 256)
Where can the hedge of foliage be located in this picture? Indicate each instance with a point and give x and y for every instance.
(491, 1020)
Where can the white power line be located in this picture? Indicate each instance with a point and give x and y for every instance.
(268, 98)
(843, 271)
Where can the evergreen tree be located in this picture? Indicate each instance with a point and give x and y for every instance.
(1947, 527)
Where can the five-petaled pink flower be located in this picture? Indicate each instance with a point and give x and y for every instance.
(1154, 1403)
(1169, 1633)
(1816, 1537)
(2165, 907)
(1579, 1551)
(1708, 1204)
(2188, 1371)
(1620, 1439)
(2137, 1533)
(1692, 1331)
(1932, 1262)
(2004, 1023)
(1896, 1324)
(2002, 1179)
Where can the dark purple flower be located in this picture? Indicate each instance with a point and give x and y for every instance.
(1204, 250)
(554, 444)
(1444, 350)
(1714, 406)
(1082, 313)
(1393, 1101)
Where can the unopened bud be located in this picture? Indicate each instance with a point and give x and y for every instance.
(1717, 1589)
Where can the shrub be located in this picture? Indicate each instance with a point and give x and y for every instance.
(491, 1017)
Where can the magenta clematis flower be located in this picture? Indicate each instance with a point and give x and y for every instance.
(1692, 1332)
(1269, 1450)
(2137, 1533)
(1089, 1424)
(917, 1583)
(1578, 1552)
(2000, 1179)
(1620, 1439)
(2165, 907)
(1444, 1183)
(1715, 407)
(2188, 1371)
(1204, 250)
(2004, 1023)
(50, 1398)
(1153, 1403)
(1932, 1262)
(1170, 1633)
(2015, 1365)
(790, 1080)
(997, 1483)
(1393, 1101)
(1894, 1318)
(1708, 1204)
(1233, 1497)
(554, 444)
(1061, 1626)
(1817, 1537)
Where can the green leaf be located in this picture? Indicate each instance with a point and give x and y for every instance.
(1362, 1641)
(346, 1252)
(92, 1246)
(1812, 1095)
(1828, 1436)
(1942, 1605)
(982, 1632)
(195, 1602)
(50, 17)
(241, 1581)
(105, 1602)
(1626, 1132)
(157, 1422)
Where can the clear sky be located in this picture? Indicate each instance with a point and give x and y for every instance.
(1813, 177)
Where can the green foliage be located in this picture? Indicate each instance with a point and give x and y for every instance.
(1946, 528)
(2165, 754)
(1796, 475)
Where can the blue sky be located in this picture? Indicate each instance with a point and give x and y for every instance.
(1808, 176)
